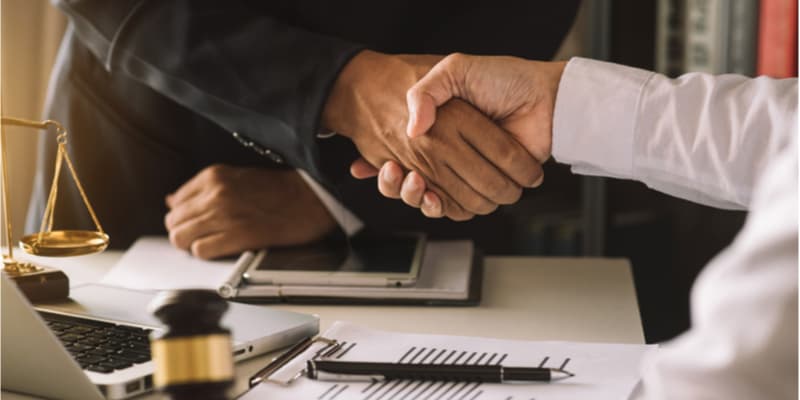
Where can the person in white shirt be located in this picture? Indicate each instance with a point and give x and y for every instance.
(727, 141)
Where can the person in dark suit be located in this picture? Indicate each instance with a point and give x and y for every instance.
(194, 115)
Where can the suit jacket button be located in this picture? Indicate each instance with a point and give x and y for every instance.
(277, 159)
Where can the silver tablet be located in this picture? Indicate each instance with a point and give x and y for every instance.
(363, 260)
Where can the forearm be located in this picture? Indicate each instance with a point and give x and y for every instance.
(698, 137)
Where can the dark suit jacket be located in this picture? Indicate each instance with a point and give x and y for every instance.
(152, 90)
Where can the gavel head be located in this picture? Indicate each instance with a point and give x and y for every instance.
(192, 357)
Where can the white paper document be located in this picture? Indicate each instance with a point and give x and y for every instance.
(152, 263)
(602, 371)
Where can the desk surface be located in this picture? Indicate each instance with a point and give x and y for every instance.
(530, 298)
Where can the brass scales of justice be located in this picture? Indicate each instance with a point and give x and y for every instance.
(37, 282)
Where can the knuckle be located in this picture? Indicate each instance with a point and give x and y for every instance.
(168, 218)
(477, 204)
(536, 174)
(451, 209)
(501, 190)
(454, 60)
(226, 198)
(487, 208)
(529, 172)
(386, 192)
(422, 146)
(179, 239)
(435, 210)
(216, 172)
(410, 198)
(214, 216)
(220, 195)
(423, 161)
(511, 195)
(460, 215)
(201, 250)
(512, 157)
(390, 137)
(387, 189)
(432, 213)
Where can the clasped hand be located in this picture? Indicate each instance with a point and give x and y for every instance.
(468, 163)
(224, 210)
(456, 160)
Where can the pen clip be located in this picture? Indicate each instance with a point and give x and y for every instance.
(264, 375)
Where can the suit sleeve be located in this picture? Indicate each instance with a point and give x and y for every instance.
(248, 73)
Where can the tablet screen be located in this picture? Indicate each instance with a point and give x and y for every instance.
(372, 253)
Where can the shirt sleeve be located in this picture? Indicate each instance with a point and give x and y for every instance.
(249, 73)
(699, 137)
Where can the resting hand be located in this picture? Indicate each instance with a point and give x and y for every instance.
(518, 94)
(225, 210)
(470, 163)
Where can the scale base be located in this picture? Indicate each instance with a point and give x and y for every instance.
(37, 283)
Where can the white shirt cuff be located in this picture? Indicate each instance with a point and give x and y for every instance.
(349, 223)
(325, 134)
(592, 125)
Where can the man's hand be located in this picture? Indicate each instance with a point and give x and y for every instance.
(516, 93)
(225, 210)
(469, 162)
(519, 94)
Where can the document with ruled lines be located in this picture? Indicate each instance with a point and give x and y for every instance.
(602, 370)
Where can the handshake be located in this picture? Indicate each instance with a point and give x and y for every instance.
(455, 136)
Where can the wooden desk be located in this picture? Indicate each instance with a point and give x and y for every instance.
(530, 298)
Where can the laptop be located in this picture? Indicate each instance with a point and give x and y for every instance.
(96, 346)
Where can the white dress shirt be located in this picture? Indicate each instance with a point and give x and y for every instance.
(727, 141)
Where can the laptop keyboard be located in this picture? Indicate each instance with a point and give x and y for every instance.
(100, 346)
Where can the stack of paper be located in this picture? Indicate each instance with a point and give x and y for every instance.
(602, 371)
(152, 263)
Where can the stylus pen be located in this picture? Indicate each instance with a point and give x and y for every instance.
(230, 288)
(326, 370)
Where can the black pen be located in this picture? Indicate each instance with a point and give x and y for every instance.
(326, 370)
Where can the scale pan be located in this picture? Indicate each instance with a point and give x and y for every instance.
(64, 243)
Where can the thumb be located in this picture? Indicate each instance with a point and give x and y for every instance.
(433, 90)
(421, 113)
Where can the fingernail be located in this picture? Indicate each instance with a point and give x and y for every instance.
(412, 120)
(538, 181)
(413, 184)
(429, 206)
(389, 175)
